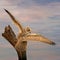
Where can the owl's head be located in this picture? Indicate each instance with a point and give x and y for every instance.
(28, 30)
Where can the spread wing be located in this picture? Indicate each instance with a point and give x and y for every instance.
(14, 20)
(35, 37)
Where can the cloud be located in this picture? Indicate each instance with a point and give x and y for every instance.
(43, 54)
(45, 2)
(8, 54)
(5, 45)
(3, 2)
(29, 10)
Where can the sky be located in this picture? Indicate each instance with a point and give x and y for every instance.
(43, 16)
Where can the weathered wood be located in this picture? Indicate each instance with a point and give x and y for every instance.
(21, 48)
(10, 36)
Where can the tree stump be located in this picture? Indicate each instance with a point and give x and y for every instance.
(10, 36)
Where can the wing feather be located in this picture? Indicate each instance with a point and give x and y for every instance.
(38, 38)
(14, 20)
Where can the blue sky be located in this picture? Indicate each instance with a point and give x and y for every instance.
(43, 16)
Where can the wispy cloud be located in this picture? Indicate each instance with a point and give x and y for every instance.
(5, 45)
(32, 12)
(45, 2)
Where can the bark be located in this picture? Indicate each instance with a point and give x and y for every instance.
(10, 36)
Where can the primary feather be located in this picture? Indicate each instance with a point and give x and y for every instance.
(15, 21)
